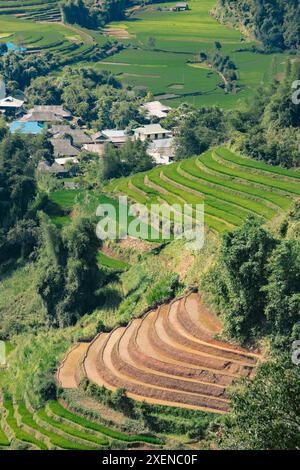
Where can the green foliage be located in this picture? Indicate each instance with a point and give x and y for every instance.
(69, 275)
(129, 158)
(4, 441)
(274, 22)
(78, 90)
(87, 14)
(19, 200)
(18, 432)
(224, 65)
(19, 68)
(21, 309)
(240, 277)
(266, 410)
(39, 353)
(163, 290)
(283, 288)
(196, 129)
(69, 429)
(269, 128)
(59, 410)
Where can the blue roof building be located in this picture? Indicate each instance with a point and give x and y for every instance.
(31, 127)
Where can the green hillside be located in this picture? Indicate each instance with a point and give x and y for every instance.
(230, 186)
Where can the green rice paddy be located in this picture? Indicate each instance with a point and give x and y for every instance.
(179, 37)
(221, 180)
(165, 68)
(56, 427)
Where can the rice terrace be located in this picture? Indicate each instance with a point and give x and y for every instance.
(146, 342)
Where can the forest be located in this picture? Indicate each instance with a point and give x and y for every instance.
(273, 22)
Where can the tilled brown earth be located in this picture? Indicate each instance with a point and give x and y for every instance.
(169, 357)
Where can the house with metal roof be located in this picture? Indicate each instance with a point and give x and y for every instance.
(151, 132)
(32, 127)
(155, 109)
(181, 6)
(77, 136)
(10, 105)
(162, 151)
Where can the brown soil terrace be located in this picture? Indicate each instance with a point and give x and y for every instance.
(170, 357)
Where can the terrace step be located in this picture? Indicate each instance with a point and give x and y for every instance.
(160, 339)
(142, 351)
(67, 374)
(161, 359)
(104, 373)
(123, 362)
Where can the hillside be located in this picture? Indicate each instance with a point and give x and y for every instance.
(169, 357)
(274, 23)
(230, 186)
(167, 65)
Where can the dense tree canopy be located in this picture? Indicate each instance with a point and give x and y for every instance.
(19, 198)
(196, 129)
(266, 410)
(68, 276)
(269, 127)
(274, 22)
(93, 14)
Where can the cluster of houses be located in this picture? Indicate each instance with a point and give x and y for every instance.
(69, 139)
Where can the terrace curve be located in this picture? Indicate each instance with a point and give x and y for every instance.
(168, 357)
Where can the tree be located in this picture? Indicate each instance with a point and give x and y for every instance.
(241, 275)
(43, 91)
(274, 22)
(68, 276)
(283, 288)
(265, 411)
(196, 129)
(151, 42)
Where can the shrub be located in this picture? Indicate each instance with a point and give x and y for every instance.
(164, 290)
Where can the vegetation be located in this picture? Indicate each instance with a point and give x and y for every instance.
(265, 411)
(269, 129)
(58, 285)
(18, 432)
(69, 275)
(226, 191)
(62, 412)
(85, 13)
(273, 22)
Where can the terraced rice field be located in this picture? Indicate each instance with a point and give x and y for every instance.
(230, 186)
(37, 10)
(68, 45)
(165, 68)
(168, 357)
(56, 427)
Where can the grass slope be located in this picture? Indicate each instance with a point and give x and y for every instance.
(179, 37)
(221, 180)
(62, 412)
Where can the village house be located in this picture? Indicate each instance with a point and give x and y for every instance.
(114, 136)
(155, 109)
(77, 136)
(181, 6)
(162, 151)
(47, 114)
(64, 151)
(151, 132)
(11, 106)
(55, 169)
(107, 136)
